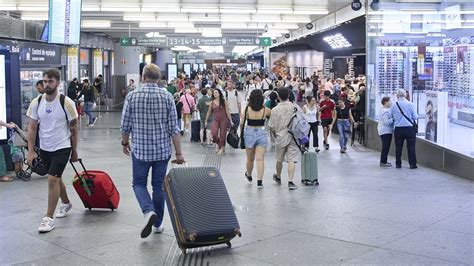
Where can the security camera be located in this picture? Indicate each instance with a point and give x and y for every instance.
(375, 5)
(287, 35)
(309, 26)
(356, 5)
(206, 15)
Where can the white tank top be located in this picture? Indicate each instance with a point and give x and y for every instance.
(311, 114)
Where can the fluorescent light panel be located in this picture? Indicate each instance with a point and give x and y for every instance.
(32, 7)
(274, 10)
(34, 16)
(172, 17)
(198, 9)
(152, 24)
(237, 10)
(96, 24)
(337, 41)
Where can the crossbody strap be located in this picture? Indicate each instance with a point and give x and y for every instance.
(406, 117)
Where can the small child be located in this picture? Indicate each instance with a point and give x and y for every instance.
(18, 158)
(3, 167)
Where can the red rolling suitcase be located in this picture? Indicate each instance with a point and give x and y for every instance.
(96, 189)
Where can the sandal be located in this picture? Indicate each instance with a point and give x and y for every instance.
(6, 179)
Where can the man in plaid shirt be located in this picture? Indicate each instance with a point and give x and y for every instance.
(149, 114)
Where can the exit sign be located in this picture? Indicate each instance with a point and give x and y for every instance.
(265, 41)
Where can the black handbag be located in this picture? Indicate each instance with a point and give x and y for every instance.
(242, 139)
(233, 137)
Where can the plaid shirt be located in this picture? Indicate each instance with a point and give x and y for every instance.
(149, 114)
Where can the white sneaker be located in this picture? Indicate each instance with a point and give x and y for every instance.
(150, 219)
(158, 230)
(64, 208)
(47, 225)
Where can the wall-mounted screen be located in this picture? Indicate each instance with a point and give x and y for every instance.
(195, 67)
(45, 32)
(249, 67)
(202, 67)
(171, 71)
(187, 68)
(64, 21)
(3, 97)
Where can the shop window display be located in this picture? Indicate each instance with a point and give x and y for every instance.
(431, 55)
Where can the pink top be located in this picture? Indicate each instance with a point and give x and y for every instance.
(187, 107)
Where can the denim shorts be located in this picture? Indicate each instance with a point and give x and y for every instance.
(255, 136)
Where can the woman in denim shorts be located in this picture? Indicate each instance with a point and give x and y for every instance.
(255, 134)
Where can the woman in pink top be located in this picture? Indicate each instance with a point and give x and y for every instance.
(189, 105)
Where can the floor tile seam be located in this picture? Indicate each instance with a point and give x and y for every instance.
(243, 256)
(60, 255)
(400, 223)
(422, 255)
(404, 252)
(274, 236)
(440, 220)
(336, 239)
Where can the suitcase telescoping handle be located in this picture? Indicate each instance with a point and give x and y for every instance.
(75, 170)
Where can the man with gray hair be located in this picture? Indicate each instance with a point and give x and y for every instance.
(150, 115)
(405, 118)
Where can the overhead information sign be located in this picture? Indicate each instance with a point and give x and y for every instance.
(188, 41)
(64, 21)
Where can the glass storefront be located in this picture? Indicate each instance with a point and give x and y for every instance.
(428, 50)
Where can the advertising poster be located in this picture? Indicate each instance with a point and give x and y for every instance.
(279, 64)
(436, 116)
(72, 63)
(3, 97)
(98, 62)
(431, 118)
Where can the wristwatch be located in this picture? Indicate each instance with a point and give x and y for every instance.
(124, 144)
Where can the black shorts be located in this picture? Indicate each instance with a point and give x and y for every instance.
(326, 122)
(56, 161)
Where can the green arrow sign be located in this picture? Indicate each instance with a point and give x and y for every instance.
(265, 41)
(127, 41)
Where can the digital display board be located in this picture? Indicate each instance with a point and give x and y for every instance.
(64, 21)
(172, 71)
(3, 97)
(187, 68)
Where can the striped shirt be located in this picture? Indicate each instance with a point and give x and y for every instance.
(149, 114)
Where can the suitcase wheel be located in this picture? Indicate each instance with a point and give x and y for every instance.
(90, 209)
(112, 209)
(183, 249)
(228, 244)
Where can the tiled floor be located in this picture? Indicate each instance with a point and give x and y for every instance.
(360, 214)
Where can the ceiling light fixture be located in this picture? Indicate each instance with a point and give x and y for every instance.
(198, 9)
(337, 41)
(237, 10)
(274, 10)
(120, 8)
(172, 17)
(96, 24)
(34, 16)
(309, 11)
(152, 25)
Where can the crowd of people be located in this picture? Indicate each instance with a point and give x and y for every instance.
(86, 96)
(262, 105)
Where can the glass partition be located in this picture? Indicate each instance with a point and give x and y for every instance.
(428, 50)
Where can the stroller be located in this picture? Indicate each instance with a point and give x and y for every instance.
(19, 143)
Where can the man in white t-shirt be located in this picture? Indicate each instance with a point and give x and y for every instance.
(54, 117)
(234, 101)
(266, 82)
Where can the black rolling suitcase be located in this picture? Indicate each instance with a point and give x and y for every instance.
(200, 208)
(195, 127)
(195, 131)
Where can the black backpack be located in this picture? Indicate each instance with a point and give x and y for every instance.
(227, 95)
